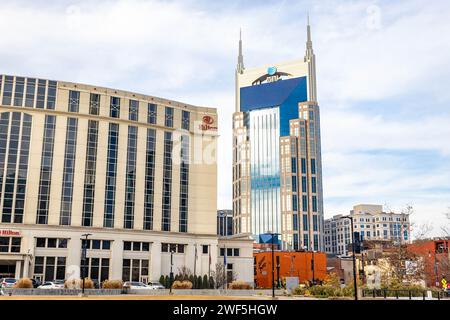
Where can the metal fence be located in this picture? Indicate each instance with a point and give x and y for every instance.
(410, 294)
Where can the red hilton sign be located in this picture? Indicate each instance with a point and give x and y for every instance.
(207, 123)
(9, 233)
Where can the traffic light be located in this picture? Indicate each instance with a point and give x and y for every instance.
(357, 240)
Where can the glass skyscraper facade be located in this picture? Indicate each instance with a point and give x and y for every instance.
(277, 176)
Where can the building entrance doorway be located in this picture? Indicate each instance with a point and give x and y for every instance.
(7, 269)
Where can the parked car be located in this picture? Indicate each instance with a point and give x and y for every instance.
(135, 285)
(57, 284)
(155, 285)
(7, 282)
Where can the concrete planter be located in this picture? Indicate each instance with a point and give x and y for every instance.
(207, 292)
(60, 292)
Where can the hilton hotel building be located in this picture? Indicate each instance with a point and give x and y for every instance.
(277, 166)
(137, 173)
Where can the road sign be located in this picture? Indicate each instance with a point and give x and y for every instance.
(444, 283)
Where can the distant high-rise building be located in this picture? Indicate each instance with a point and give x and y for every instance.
(371, 222)
(277, 166)
(224, 223)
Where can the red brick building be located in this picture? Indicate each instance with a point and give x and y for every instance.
(436, 256)
(291, 264)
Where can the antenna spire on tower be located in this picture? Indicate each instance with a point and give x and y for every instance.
(240, 65)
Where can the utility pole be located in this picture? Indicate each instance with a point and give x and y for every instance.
(86, 235)
(355, 284)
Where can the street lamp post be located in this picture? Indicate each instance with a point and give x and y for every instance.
(355, 285)
(86, 235)
(273, 261)
(313, 269)
(171, 272)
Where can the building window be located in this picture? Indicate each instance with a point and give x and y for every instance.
(294, 165)
(304, 185)
(96, 269)
(304, 203)
(185, 120)
(313, 185)
(94, 104)
(29, 97)
(314, 203)
(135, 270)
(10, 245)
(136, 246)
(74, 101)
(149, 179)
(111, 173)
(50, 268)
(167, 182)
(152, 113)
(294, 184)
(114, 108)
(46, 170)
(89, 174)
(68, 171)
(305, 222)
(169, 117)
(41, 90)
(51, 95)
(315, 224)
(18, 92)
(295, 222)
(133, 113)
(173, 247)
(205, 249)
(306, 241)
(7, 90)
(294, 203)
(184, 183)
(14, 177)
(130, 184)
(303, 164)
(236, 252)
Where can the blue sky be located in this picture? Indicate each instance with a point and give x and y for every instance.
(383, 76)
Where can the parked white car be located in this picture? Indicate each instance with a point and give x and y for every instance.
(7, 282)
(136, 285)
(155, 285)
(57, 284)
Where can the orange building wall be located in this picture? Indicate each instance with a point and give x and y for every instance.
(292, 264)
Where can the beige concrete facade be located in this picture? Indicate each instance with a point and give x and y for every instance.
(201, 187)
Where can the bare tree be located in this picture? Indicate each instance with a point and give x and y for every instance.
(421, 231)
(402, 266)
(446, 229)
(221, 277)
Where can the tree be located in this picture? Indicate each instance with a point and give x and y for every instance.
(220, 276)
(184, 273)
(400, 266)
(211, 283)
(167, 281)
(162, 280)
(199, 282)
(205, 282)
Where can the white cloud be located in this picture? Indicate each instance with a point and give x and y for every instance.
(367, 51)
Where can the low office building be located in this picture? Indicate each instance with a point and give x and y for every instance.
(236, 255)
(371, 222)
(135, 172)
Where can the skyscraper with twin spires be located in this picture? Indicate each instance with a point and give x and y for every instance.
(277, 165)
